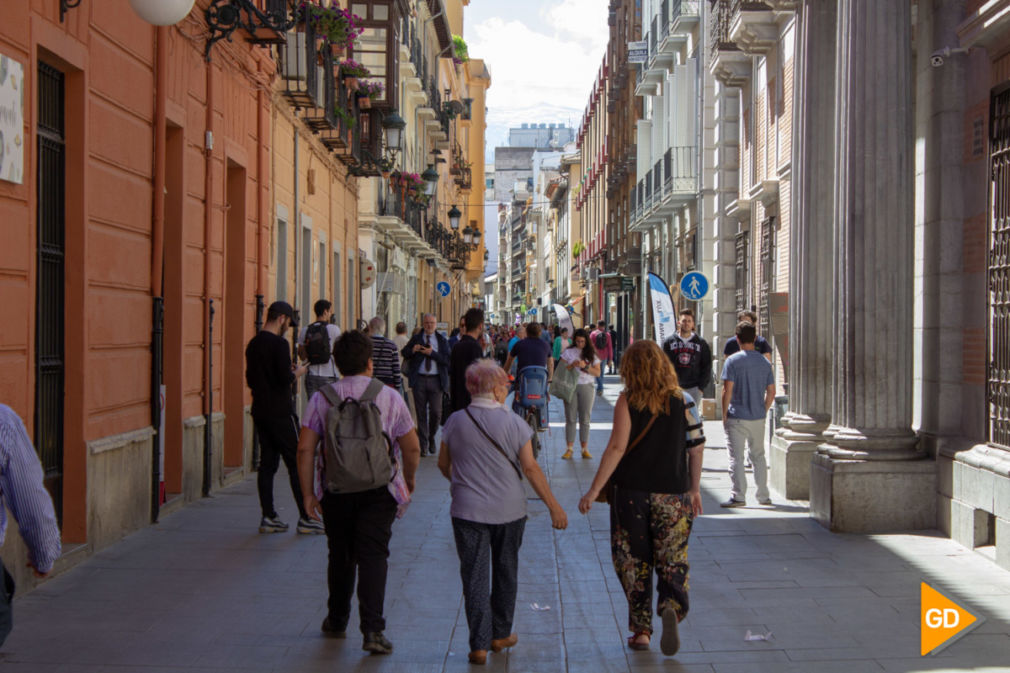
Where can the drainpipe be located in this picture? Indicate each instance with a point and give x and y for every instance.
(261, 239)
(157, 264)
(298, 258)
(208, 222)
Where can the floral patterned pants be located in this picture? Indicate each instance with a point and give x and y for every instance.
(647, 531)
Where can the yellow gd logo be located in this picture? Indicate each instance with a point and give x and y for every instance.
(942, 620)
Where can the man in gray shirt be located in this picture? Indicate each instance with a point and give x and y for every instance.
(748, 392)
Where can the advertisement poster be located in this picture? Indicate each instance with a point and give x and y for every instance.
(12, 123)
(662, 308)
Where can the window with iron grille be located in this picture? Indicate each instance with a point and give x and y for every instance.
(742, 270)
(49, 305)
(998, 273)
(767, 274)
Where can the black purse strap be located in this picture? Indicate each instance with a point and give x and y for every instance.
(496, 444)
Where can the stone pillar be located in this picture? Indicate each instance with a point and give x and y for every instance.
(868, 476)
(811, 320)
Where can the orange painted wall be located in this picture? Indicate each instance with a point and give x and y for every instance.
(108, 55)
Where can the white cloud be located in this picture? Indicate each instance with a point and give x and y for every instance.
(542, 72)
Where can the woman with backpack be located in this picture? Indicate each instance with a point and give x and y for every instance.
(582, 356)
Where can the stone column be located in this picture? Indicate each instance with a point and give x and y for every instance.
(811, 319)
(869, 475)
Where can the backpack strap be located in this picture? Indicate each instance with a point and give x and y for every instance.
(375, 387)
(330, 394)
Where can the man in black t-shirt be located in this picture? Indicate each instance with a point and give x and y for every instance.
(761, 345)
(269, 373)
(531, 352)
(468, 349)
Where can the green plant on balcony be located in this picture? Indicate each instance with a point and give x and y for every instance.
(350, 68)
(338, 26)
(344, 115)
(578, 248)
(460, 52)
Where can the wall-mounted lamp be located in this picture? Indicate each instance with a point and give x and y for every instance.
(161, 12)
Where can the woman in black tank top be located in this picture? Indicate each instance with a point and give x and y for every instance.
(652, 468)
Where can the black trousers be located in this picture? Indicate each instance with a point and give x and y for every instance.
(6, 598)
(428, 403)
(489, 567)
(278, 441)
(358, 529)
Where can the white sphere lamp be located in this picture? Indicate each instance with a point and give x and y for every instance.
(162, 12)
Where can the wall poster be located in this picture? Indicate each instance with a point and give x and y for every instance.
(12, 122)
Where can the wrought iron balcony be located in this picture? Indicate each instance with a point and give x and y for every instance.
(728, 64)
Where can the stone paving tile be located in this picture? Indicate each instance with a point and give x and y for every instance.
(202, 591)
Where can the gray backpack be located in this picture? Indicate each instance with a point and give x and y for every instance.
(358, 454)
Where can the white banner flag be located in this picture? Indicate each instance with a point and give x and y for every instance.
(662, 308)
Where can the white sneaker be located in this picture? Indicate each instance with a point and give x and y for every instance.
(310, 527)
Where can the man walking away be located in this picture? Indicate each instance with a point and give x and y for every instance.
(385, 354)
(615, 354)
(427, 355)
(22, 491)
(469, 349)
(691, 357)
(604, 350)
(269, 373)
(315, 344)
(761, 345)
(359, 523)
(747, 394)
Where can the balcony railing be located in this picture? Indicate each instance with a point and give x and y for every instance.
(393, 204)
(722, 20)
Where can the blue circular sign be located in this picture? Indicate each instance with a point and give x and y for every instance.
(694, 285)
(443, 288)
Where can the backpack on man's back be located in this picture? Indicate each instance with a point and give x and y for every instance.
(317, 343)
(358, 454)
(600, 340)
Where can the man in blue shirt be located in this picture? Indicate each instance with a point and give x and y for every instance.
(747, 394)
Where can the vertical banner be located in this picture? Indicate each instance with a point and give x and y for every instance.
(12, 121)
(662, 308)
(564, 320)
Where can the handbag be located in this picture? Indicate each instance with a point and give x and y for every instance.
(564, 382)
(604, 495)
(496, 444)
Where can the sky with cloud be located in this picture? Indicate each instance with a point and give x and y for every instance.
(543, 56)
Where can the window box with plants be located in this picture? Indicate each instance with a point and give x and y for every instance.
(339, 27)
(460, 52)
(368, 92)
(351, 72)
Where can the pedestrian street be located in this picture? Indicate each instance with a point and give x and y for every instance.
(203, 591)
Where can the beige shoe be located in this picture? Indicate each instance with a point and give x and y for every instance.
(567, 455)
(501, 643)
(478, 657)
(586, 454)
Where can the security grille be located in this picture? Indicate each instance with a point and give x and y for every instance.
(49, 298)
(998, 273)
(767, 274)
(742, 269)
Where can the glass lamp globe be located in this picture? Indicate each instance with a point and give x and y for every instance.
(162, 12)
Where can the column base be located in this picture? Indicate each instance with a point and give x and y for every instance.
(872, 496)
(789, 463)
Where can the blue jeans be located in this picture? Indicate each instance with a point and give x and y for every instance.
(599, 381)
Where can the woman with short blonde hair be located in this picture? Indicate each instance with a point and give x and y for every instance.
(655, 490)
(485, 451)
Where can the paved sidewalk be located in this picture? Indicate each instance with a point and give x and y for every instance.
(202, 591)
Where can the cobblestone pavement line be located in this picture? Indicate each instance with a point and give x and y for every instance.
(201, 591)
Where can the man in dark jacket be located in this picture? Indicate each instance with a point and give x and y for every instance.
(269, 373)
(691, 357)
(468, 349)
(427, 356)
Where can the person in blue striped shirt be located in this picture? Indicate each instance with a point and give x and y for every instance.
(22, 491)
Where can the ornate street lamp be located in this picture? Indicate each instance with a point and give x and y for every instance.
(430, 177)
(468, 235)
(392, 129)
(454, 215)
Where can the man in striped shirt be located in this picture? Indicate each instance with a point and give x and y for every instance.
(22, 491)
(385, 354)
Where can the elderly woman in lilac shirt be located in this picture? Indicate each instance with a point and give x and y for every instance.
(485, 451)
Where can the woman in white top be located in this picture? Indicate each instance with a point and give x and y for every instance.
(581, 355)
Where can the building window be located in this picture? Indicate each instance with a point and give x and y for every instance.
(767, 274)
(742, 270)
(322, 270)
(998, 274)
(282, 260)
(336, 288)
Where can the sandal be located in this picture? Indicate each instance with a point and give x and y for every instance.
(635, 644)
(567, 455)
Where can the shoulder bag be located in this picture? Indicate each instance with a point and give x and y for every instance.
(604, 495)
(519, 472)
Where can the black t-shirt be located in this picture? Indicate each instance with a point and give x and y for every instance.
(530, 353)
(760, 345)
(463, 355)
(268, 373)
(658, 464)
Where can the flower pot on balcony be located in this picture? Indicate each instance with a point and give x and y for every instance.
(351, 83)
(364, 102)
(337, 49)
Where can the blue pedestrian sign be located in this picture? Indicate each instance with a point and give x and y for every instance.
(443, 288)
(694, 286)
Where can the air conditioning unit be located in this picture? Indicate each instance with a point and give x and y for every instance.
(594, 273)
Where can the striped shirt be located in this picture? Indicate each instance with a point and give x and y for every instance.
(385, 361)
(22, 490)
